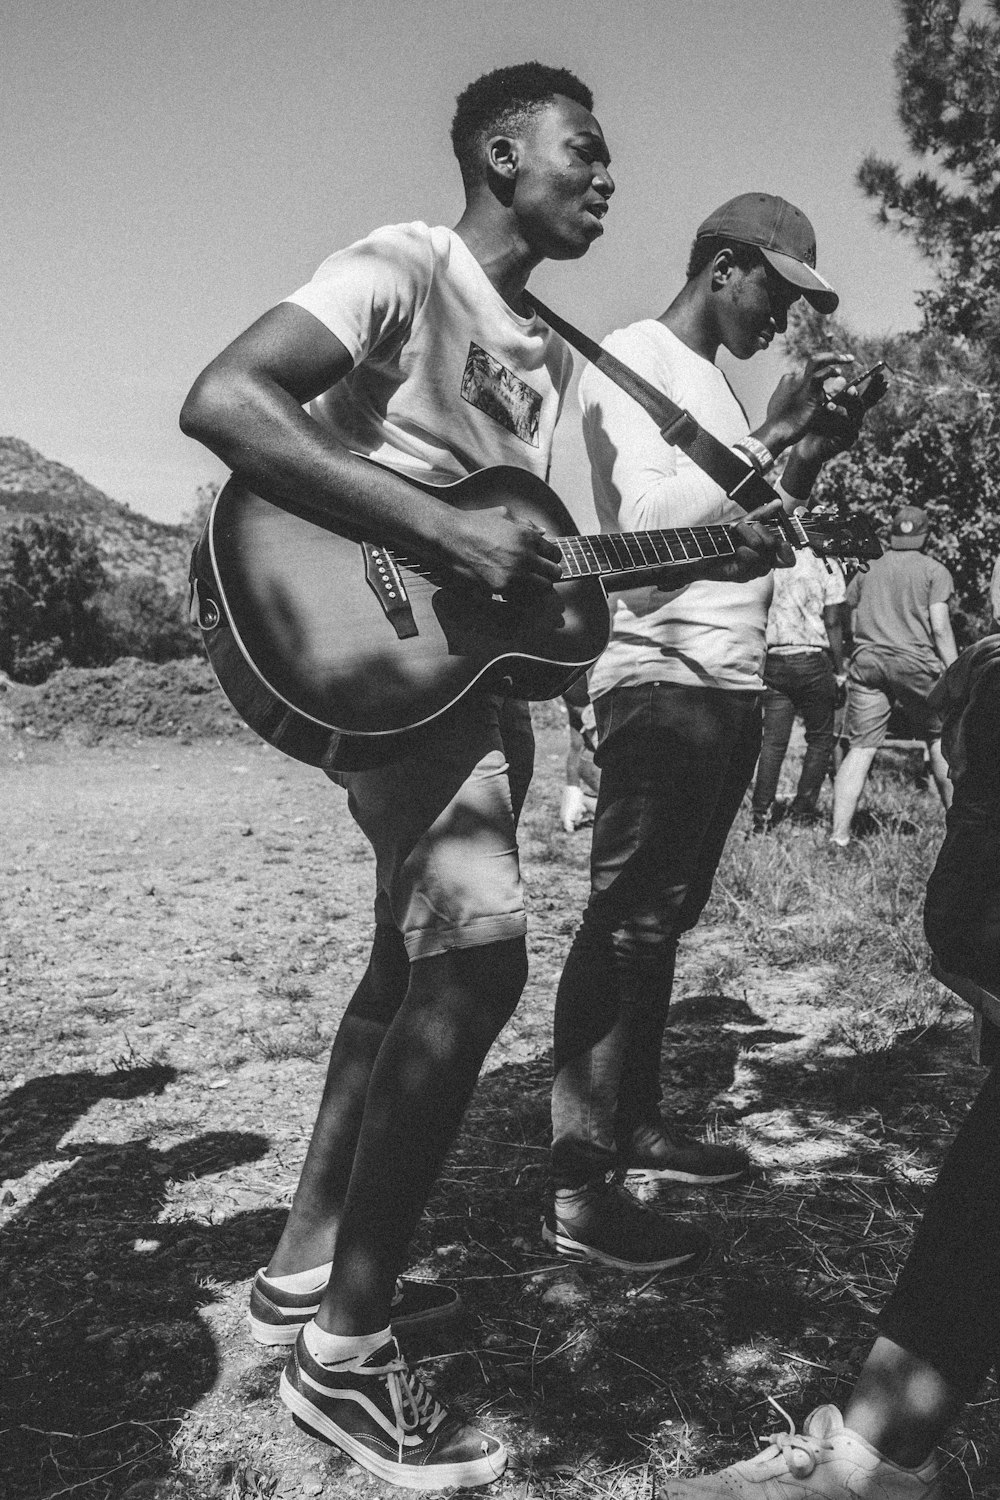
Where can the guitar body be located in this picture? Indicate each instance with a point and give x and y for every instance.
(311, 659)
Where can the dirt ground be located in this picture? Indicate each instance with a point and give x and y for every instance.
(185, 916)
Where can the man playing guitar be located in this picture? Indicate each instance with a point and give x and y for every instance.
(414, 347)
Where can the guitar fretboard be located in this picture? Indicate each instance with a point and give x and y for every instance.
(610, 552)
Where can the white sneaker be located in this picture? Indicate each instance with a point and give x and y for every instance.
(825, 1461)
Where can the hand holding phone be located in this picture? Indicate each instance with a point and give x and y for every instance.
(868, 387)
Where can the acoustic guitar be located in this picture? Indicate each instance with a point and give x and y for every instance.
(340, 652)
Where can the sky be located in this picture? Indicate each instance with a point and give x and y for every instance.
(175, 167)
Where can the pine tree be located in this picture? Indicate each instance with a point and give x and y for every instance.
(949, 107)
(935, 440)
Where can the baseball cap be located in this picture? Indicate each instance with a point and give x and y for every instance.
(909, 528)
(784, 236)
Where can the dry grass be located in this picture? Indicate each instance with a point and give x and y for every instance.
(149, 1183)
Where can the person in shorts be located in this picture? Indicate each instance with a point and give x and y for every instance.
(414, 347)
(903, 640)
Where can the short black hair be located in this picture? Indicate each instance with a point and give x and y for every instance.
(503, 100)
(706, 248)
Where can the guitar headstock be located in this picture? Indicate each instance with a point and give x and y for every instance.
(842, 536)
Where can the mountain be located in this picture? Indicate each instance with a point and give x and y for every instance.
(32, 485)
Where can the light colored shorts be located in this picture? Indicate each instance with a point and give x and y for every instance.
(877, 681)
(442, 824)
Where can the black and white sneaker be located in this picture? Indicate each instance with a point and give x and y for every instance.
(614, 1230)
(276, 1315)
(653, 1156)
(383, 1416)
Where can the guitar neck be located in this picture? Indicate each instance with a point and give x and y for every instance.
(618, 553)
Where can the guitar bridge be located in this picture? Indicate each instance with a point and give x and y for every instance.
(387, 585)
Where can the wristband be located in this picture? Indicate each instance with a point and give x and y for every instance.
(758, 454)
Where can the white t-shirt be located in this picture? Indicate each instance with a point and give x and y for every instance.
(708, 634)
(447, 379)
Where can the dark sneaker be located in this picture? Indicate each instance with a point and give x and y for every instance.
(385, 1418)
(616, 1231)
(653, 1156)
(276, 1316)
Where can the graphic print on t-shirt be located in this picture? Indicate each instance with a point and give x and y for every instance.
(501, 394)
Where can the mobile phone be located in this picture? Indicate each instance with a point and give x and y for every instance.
(868, 396)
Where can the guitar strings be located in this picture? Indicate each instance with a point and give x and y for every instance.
(587, 555)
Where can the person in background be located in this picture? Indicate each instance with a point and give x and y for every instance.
(803, 674)
(579, 794)
(902, 641)
(939, 1334)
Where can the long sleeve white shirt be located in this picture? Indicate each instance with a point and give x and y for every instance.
(709, 634)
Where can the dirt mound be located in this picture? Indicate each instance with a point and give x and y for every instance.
(135, 699)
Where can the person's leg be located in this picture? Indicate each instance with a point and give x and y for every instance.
(847, 789)
(940, 1331)
(816, 700)
(736, 726)
(865, 722)
(425, 1070)
(310, 1233)
(667, 769)
(441, 823)
(311, 1229)
(779, 716)
(902, 1404)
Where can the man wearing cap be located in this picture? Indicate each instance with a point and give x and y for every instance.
(903, 641)
(677, 702)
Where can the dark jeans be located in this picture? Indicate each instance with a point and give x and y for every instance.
(675, 764)
(946, 1304)
(797, 683)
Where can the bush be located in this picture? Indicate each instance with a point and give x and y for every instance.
(140, 616)
(49, 575)
(59, 607)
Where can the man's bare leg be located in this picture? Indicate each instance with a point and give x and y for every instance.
(847, 789)
(310, 1232)
(422, 1078)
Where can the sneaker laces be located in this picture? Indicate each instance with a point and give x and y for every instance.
(800, 1450)
(413, 1404)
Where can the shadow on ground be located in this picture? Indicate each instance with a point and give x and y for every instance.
(104, 1349)
(584, 1371)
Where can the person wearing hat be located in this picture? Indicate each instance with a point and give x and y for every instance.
(676, 698)
(903, 641)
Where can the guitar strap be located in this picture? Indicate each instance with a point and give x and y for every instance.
(741, 482)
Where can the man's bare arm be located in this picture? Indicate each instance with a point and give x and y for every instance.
(247, 407)
(944, 636)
